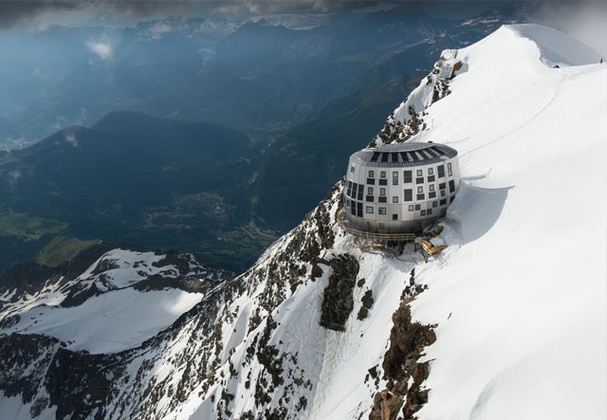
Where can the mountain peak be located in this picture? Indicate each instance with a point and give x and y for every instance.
(556, 47)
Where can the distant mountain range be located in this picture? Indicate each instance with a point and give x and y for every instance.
(298, 103)
(256, 76)
(133, 178)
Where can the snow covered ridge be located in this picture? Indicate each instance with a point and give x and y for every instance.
(510, 317)
(107, 307)
(542, 46)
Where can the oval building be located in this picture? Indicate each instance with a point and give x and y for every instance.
(400, 187)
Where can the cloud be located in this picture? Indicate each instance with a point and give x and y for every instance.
(584, 20)
(14, 13)
(71, 139)
(13, 178)
(103, 49)
(42, 13)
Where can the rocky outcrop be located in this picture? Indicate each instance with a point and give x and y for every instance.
(367, 303)
(407, 341)
(338, 299)
(25, 360)
(30, 278)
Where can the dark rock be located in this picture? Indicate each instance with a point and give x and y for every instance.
(367, 301)
(338, 299)
(385, 406)
(407, 341)
(25, 359)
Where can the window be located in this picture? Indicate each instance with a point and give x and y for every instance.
(443, 202)
(432, 195)
(369, 190)
(353, 209)
(382, 191)
(369, 199)
(442, 186)
(382, 210)
(394, 178)
(429, 212)
(408, 195)
(407, 177)
(450, 169)
(441, 171)
(382, 174)
(395, 217)
(452, 198)
(423, 213)
(435, 204)
(371, 181)
(419, 180)
(420, 189)
(443, 193)
(371, 174)
(411, 207)
(359, 209)
(418, 206)
(349, 191)
(361, 187)
(352, 169)
(450, 172)
(420, 197)
(395, 199)
(383, 182)
(430, 171)
(369, 209)
(452, 186)
(431, 187)
(431, 178)
(382, 199)
(420, 172)
(449, 165)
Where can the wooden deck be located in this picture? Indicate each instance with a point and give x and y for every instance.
(380, 240)
(373, 236)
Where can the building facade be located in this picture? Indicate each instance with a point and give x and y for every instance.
(401, 187)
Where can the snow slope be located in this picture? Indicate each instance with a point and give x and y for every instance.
(108, 323)
(520, 296)
(113, 315)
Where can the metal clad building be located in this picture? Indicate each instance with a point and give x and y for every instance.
(401, 187)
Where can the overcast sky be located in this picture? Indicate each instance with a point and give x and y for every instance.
(586, 20)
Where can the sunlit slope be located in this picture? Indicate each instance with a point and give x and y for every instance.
(520, 297)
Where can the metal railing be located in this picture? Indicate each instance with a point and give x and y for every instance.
(373, 236)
